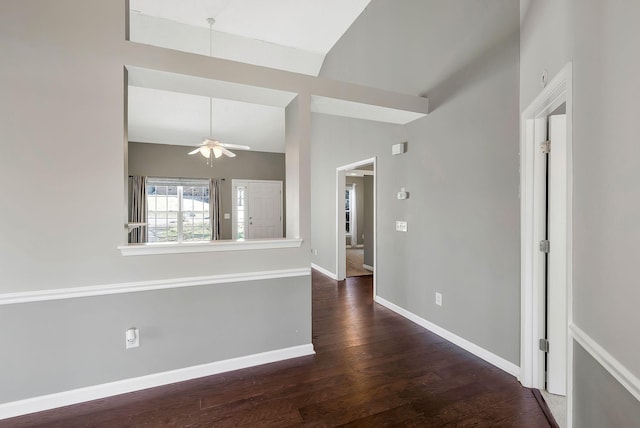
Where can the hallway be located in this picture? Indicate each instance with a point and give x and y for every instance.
(372, 368)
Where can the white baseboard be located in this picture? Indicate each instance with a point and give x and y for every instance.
(367, 267)
(606, 360)
(324, 271)
(75, 396)
(476, 350)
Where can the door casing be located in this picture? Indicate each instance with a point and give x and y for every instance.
(341, 268)
(532, 221)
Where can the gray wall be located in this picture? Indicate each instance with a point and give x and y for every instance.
(600, 38)
(66, 344)
(360, 206)
(600, 400)
(63, 139)
(461, 168)
(162, 160)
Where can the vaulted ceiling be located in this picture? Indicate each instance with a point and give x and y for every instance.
(292, 35)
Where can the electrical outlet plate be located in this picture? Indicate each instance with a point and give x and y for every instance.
(401, 226)
(438, 299)
(132, 338)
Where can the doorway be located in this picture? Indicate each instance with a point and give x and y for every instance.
(358, 205)
(257, 209)
(546, 171)
(355, 219)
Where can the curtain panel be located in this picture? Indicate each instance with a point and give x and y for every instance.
(214, 208)
(138, 208)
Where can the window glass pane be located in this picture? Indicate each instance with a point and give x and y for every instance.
(165, 216)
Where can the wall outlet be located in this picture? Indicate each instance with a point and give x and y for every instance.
(401, 226)
(132, 338)
(438, 299)
(227, 216)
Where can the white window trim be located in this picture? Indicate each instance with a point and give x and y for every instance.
(180, 183)
(353, 215)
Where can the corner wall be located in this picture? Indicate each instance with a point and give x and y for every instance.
(62, 128)
(461, 168)
(599, 38)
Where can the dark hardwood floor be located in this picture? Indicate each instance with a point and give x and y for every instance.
(372, 368)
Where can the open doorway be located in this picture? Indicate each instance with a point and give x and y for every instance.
(355, 225)
(358, 220)
(546, 194)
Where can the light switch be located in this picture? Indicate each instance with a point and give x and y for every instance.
(401, 226)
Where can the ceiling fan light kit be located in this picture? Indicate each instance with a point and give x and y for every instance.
(210, 145)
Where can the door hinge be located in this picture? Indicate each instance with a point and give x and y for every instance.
(544, 345)
(545, 147)
(544, 246)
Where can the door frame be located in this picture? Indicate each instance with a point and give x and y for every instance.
(341, 263)
(234, 196)
(559, 91)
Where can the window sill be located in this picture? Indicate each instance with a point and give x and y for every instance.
(205, 247)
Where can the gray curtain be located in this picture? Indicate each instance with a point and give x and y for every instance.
(138, 208)
(214, 208)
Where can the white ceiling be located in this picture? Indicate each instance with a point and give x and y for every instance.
(164, 117)
(292, 35)
(309, 25)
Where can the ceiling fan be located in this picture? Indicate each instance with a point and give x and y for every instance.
(210, 146)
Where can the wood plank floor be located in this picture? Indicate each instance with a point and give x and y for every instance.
(372, 369)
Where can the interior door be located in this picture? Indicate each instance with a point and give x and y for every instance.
(557, 324)
(264, 209)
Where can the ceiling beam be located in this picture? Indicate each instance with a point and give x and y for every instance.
(172, 61)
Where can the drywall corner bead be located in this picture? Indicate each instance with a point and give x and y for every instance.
(398, 149)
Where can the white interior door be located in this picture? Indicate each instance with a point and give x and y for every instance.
(264, 207)
(557, 257)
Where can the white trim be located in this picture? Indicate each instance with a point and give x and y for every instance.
(359, 173)
(324, 271)
(131, 287)
(476, 350)
(367, 267)
(208, 246)
(80, 395)
(606, 360)
(558, 91)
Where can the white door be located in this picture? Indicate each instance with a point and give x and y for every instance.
(264, 203)
(557, 324)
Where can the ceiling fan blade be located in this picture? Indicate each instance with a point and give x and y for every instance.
(205, 151)
(227, 152)
(193, 152)
(234, 146)
(217, 151)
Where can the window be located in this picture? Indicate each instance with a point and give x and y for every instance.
(241, 211)
(178, 210)
(347, 210)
